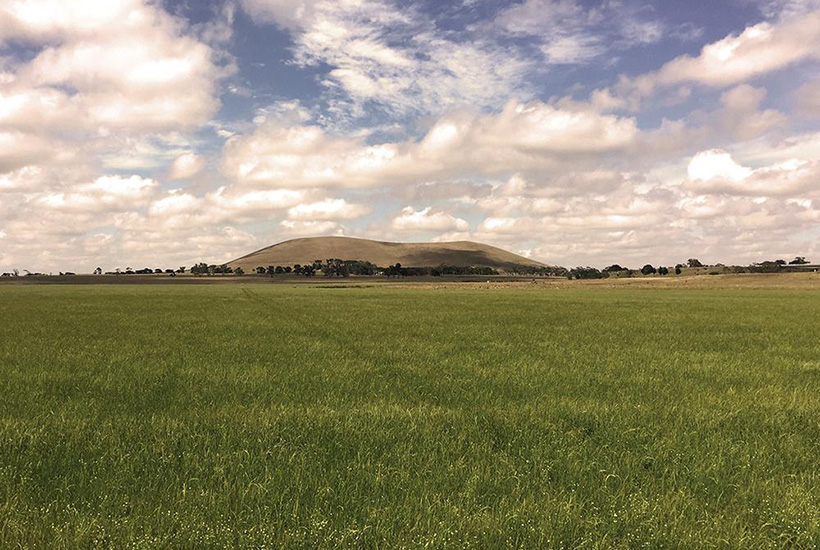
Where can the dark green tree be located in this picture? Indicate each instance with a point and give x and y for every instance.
(200, 269)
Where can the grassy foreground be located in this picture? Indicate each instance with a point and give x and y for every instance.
(277, 417)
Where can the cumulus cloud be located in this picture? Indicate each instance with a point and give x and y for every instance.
(118, 64)
(306, 156)
(305, 228)
(715, 164)
(164, 248)
(507, 225)
(130, 218)
(18, 150)
(411, 220)
(328, 209)
(88, 87)
(742, 116)
(716, 172)
(234, 202)
(541, 128)
(520, 136)
(106, 194)
(228, 205)
(759, 49)
(26, 178)
(807, 98)
(99, 225)
(185, 166)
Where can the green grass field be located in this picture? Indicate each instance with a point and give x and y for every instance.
(266, 416)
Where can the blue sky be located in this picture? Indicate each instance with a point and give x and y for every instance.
(136, 132)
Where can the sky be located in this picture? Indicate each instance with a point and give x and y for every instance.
(148, 133)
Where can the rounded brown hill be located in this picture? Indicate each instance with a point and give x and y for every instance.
(383, 254)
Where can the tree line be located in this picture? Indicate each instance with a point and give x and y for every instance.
(616, 270)
(335, 267)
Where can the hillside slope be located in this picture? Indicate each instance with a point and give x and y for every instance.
(461, 253)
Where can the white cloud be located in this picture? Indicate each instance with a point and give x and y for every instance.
(452, 236)
(304, 228)
(427, 220)
(787, 9)
(759, 49)
(97, 87)
(570, 33)
(572, 49)
(395, 56)
(77, 80)
(18, 149)
(186, 166)
(174, 204)
(807, 98)
(520, 136)
(106, 194)
(231, 202)
(541, 128)
(180, 246)
(564, 28)
(328, 209)
(741, 115)
(508, 225)
(32, 19)
(225, 205)
(287, 13)
(716, 172)
(533, 17)
(305, 156)
(26, 178)
(716, 164)
(805, 146)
